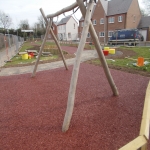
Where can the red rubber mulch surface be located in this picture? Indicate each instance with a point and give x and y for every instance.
(70, 50)
(32, 110)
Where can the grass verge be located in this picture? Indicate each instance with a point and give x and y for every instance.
(130, 63)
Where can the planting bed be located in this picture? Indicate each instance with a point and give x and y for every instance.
(32, 110)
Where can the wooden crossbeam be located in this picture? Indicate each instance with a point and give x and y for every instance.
(71, 7)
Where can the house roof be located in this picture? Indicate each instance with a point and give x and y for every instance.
(105, 5)
(144, 22)
(114, 7)
(118, 7)
(64, 20)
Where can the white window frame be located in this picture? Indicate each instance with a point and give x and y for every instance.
(69, 35)
(120, 18)
(101, 34)
(102, 21)
(111, 20)
(110, 33)
(94, 22)
(88, 35)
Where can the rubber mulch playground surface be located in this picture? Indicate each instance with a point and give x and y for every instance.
(32, 110)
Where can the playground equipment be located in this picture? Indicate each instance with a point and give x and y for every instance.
(86, 12)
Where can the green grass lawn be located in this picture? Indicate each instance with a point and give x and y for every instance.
(127, 63)
(17, 60)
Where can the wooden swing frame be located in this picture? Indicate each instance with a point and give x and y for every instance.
(86, 13)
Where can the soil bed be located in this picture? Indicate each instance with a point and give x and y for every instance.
(32, 110)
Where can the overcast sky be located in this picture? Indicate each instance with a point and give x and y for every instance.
(29, 9)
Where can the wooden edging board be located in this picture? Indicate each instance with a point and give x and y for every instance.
(146, 114)
(141, 140)
(135, 144)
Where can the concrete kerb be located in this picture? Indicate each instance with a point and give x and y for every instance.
(86, 55)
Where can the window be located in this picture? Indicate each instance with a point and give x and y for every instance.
(94, 22)
(119, 18)
(110, 33)
(88, 35)
(101, 34)
(82, 24)
(69, 35)
(111, 20)
(102, 21)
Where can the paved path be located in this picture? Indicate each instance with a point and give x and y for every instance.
(86, 55)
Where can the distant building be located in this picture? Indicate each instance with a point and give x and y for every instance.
(67, 29)
(144, 27)
(108, 16)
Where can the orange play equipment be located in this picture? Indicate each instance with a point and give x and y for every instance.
(140, 61)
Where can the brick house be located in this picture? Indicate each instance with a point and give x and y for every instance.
(144, 27)
(109, 16)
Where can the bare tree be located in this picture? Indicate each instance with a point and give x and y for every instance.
(41, 22)
(5, 20)
(24, 25)
(146, 9)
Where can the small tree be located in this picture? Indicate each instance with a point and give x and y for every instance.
(42, 22)
(24, 25)
(146, 10)
(5, 20)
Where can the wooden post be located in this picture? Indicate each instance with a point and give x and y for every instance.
(144, 130)
(41, 49)
(59, 48)
(99, 51)
(144, 147)
(71, 97)
(43, 43)
(137, 143)
(55, 39)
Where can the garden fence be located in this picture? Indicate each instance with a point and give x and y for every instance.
(9, 47)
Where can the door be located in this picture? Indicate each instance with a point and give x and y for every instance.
(144, 33)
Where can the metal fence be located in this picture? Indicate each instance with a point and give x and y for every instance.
(9, 47)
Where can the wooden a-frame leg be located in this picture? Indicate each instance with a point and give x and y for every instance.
(41, 49)
(55, 39)
(71, 96)
(99, 51)
(59, 48)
